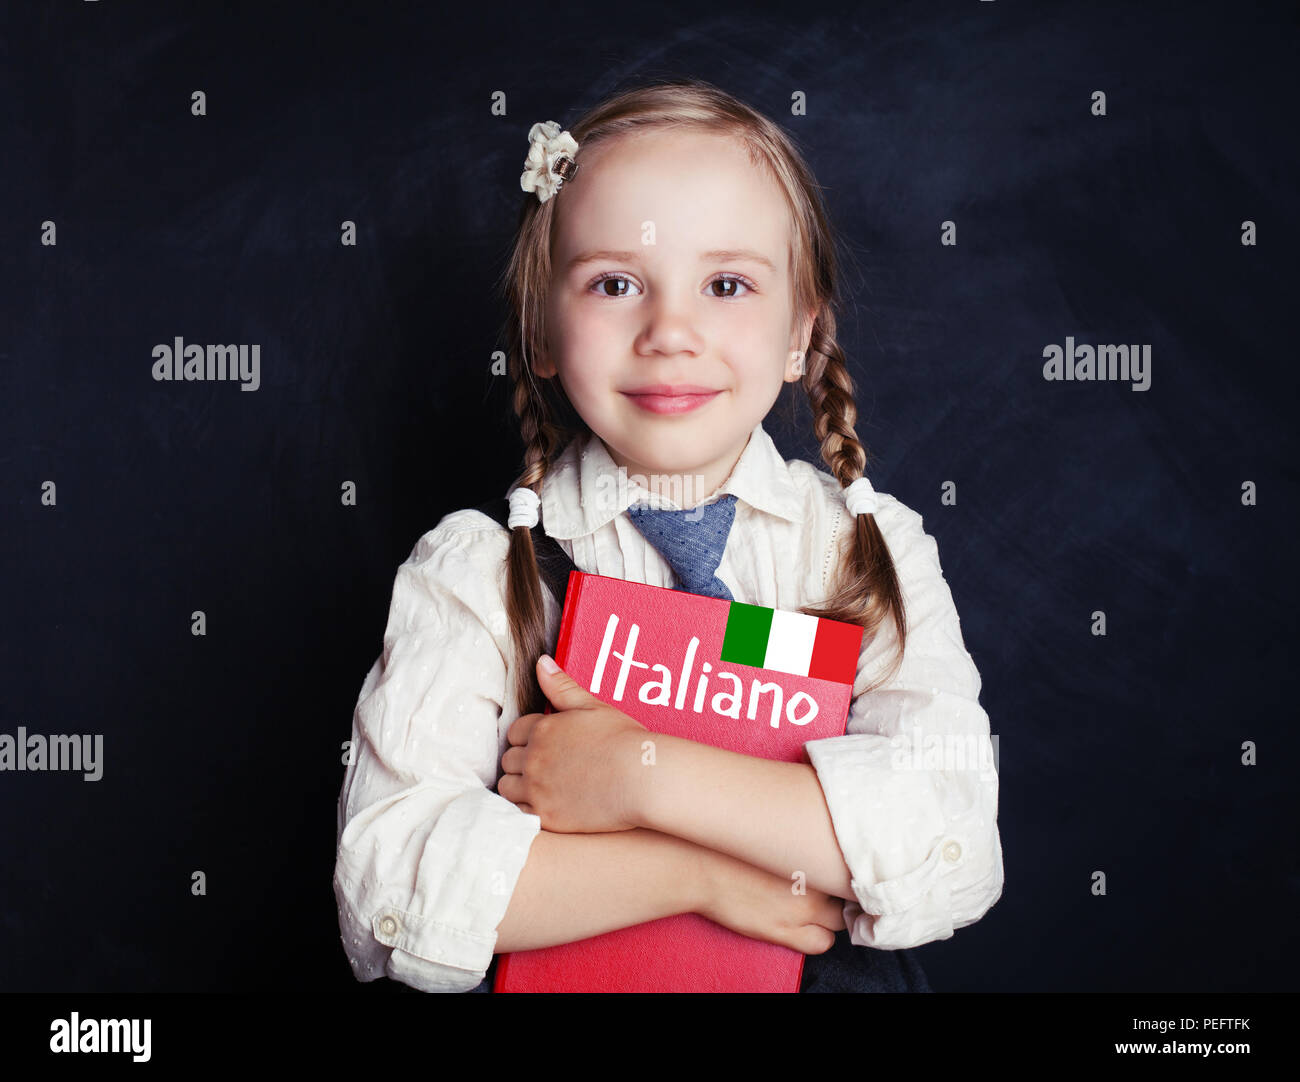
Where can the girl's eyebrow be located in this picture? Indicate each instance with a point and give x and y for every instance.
(726, 255)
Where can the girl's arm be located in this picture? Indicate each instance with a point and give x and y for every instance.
(587, 773)
(770, 814)
(578, 885)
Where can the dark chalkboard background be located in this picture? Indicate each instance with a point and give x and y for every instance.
(1119, 753)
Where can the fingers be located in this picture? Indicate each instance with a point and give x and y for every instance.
(831, 914)
(512, 787)
(818, 936)
(814, 939)
(514, 759)
(520, 728)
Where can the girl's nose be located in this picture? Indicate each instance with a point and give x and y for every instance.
(670, 325)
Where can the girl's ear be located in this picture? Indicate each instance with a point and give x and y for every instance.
(795, 368)
(798, 362)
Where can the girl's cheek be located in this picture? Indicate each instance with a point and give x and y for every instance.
(580, 384)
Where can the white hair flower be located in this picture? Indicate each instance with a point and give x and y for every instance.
(550, 160)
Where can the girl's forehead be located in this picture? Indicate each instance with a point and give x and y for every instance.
(699, 183)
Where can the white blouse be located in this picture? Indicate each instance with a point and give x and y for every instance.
(429, 853)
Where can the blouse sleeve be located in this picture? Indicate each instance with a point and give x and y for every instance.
(428, 853)
(912, 787)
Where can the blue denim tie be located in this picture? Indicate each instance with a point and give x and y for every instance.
(691, 541)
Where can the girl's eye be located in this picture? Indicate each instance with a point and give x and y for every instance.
(611, 278)
(734, 279)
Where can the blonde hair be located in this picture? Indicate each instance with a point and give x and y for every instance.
(866, 591)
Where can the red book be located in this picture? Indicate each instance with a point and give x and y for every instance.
(749, 679)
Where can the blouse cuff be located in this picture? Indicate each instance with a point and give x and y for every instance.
(907, 852)
(443, 939)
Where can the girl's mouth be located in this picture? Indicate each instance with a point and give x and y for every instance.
(671, 403)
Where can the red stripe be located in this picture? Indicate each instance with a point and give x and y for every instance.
(835, 652)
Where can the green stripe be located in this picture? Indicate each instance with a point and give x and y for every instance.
(748, 627)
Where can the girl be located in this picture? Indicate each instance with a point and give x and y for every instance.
(673, 267)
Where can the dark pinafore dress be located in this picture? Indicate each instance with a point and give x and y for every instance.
(843, 968)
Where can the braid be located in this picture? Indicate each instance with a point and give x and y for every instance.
(543, 440)
(867, 589)
(834, 412)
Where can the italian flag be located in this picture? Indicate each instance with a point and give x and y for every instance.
(792, 642)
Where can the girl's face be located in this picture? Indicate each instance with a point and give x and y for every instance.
(671, 266)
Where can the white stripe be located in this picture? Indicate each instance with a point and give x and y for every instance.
(790, 642)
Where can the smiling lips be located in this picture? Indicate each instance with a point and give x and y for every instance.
(662, 398)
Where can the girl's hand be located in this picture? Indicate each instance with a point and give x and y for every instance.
(756, 903)
(574, 767)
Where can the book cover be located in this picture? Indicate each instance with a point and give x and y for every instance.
(749, 679)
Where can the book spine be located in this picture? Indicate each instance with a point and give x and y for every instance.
(500, 978)
(568, 618)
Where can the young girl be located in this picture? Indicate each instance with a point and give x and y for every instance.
(673, 268)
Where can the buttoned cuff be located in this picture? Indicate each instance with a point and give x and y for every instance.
(912, 839)
(442, 938)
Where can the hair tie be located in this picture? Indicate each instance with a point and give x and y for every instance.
(523, 508)
(550, 160)
(861, 498)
